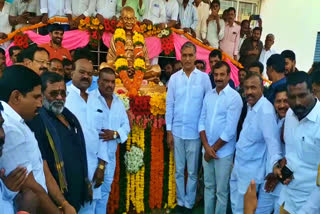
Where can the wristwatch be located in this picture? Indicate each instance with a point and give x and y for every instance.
(115, 135)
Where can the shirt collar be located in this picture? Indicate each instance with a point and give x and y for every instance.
(99, 95)
(256, 107)
(225, 90)
(313, 115)
(195, 71)
(77, 90)
(7, 109)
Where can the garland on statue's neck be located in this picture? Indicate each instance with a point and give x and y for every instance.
(121, 63)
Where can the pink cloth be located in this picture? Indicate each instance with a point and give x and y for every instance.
(230, 42)
(71, 40)
(203, 54)
(153, 44)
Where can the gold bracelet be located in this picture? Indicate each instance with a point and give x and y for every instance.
(63, 204)
(101, 166)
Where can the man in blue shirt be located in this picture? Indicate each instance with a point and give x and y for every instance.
(186, 91)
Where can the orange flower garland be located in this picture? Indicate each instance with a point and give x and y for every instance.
(113, 202)
(157, 166)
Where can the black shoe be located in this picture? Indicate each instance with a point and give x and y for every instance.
(187, 211)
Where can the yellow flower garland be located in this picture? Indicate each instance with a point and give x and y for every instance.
(158, 103)
(172, 183)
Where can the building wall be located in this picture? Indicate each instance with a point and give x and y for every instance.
(295, 24)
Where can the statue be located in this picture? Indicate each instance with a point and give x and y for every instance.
(128, 20)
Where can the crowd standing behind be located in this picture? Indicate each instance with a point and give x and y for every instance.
(258, 143)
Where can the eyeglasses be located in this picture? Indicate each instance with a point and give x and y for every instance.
(55, 94)
(42, 62)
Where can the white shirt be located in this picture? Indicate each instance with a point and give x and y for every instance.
(114, 118)
(55, 7)
(259, 136)
(6, 199)
(302, 141)
(219, 118)
(80, 108)
(85, 7)
(264, 56)
(20, 147)
(184, 102)
(189, 16)
(203, 13)
(155, 11)
(106, 8)
(172, 10)
(213, 36)
(312, 205)
(5, 26)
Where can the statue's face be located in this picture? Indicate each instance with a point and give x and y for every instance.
(128, 19)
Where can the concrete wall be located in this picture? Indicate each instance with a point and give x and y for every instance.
(295, 24)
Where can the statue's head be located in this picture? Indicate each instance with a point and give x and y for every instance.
(128, 18)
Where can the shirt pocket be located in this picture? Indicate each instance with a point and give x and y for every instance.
(197, 92)
(233, 36)
(155, 10)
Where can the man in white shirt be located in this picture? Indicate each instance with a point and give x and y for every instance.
(155, 13)
(203, 14)
(188, 17)
(52, 8)
(218, 130)
(172, 12)
(21, 95)
(186, 91)
(81, 9)
(111, 120)
(105, 9)
(266, 52)
(77, 103)
(258, 138)
(302, 144)
(5, 26)
(216, 26)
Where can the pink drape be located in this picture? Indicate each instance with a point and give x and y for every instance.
(203, 54)
(71, 40)
(153, 44)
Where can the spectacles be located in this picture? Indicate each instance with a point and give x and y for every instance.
(55, 94)
(42, 62)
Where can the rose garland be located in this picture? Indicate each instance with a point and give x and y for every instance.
(121, 63)
(21, 40)
(167, 42)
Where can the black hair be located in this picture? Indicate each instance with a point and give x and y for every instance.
(55, 27)
(215, 53)
(244, 21)
(257, 64)
(257, 28)
(215, 2)
(82, 53)
(289, 54)
(232, 8)
(66, 62)
(18, 77)
(252, 74)
(298, 77)
(56, 60)
(29, 53)
(221, 64)
(280, 88)
(276, 61)
(243, 69)
(315, 77)
(50, 77)
(106, 71)
(13, 48)
(2, 51)
(199, 61)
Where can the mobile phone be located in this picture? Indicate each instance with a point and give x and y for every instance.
(255, 17)
(286, 173)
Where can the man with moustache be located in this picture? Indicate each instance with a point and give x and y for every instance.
(251, 48)
(77, 103)
(256, 141)
(54, 47)
(301, 136)
(109, 117)
(218, 131)
(61, 143)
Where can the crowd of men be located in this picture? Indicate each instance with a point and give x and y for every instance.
(60, 125)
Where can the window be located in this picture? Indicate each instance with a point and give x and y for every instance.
(317, 51)
(245, 8)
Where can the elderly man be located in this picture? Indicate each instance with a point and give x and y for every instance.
(61, 142)
(266, 52)
(137, 5)
(218, 131)
(54, 47)
(301, 134)
(77, 102)
(256, 141)
(186, 91)
(21, 102)
(109, 117)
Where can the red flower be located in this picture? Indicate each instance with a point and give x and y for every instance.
(120, 91)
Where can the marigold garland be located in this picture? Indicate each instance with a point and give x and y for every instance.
(172, 183)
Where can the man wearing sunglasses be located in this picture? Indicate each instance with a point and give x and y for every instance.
(62, 145)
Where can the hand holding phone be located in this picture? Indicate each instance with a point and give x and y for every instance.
(287, 175)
